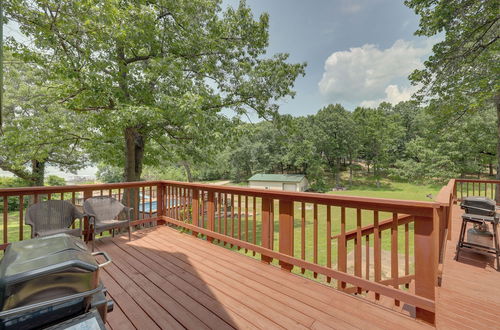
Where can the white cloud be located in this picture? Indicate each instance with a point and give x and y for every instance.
(393, 94)
(367, 75)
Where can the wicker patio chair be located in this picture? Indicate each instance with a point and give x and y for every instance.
(53, 217)
(106, 213)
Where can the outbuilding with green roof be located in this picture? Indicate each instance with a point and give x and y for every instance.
(286, 182)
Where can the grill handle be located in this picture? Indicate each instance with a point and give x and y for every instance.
(49, 303)
(105, 255)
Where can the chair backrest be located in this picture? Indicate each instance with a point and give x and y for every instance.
(103, 208)
(50, 215)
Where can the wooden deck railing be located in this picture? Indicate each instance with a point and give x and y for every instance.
(356, 244)
(14, 201)
(475, 187)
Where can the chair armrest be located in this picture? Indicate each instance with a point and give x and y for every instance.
(128, 211)
(91, 218)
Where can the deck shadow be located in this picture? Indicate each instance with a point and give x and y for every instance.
(156, 288)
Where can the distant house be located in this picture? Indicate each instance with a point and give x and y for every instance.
(287, 182)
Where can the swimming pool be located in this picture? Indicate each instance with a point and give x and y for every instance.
(147, 207)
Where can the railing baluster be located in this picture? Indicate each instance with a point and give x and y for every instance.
(219, 209)
(5, 219)
(315, 237)
(394, 253)
(254, 216)
(210, 214)
(239, 218)
(266, 227)
(232, 217)
(342, 248)
(407, 251)
(357, 247)
(303, 235)
(377, 251)
(272, 224)
(203, 209)
(246, 221)
(328, 240)
(367, 258)
(21, 222)
(225, 216)
(195, 200)
(151, 202)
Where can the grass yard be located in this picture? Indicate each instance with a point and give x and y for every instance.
(391, 190)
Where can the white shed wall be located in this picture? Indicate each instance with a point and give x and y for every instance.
(266, 185)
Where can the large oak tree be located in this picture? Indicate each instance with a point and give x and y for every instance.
(153, 72)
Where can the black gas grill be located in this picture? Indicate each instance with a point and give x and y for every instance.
(48, 280)
(480, 212)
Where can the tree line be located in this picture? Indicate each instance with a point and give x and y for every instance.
(404, 142)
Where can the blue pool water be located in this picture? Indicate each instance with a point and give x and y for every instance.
(147, 207)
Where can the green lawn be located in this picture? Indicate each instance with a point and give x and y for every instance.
(391, 190)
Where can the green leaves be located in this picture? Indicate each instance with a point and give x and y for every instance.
(167, 69)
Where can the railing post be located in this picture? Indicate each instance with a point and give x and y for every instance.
(86, 225)
(160, 210)
(210, 214)
(286, 231)
(195, 209)
(426, 249)
(266, 227)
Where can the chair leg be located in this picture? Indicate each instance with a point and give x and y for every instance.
(129, 233)
(93, 241)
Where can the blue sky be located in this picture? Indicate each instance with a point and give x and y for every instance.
(368, 47)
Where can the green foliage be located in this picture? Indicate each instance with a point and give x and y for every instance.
(54, 180)
(439, 153)
(37, 130)
(462, 75)
(109, 174)
(157, 73)
(12, 202)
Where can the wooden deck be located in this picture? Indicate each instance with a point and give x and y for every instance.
(169, 280)
(469, 296)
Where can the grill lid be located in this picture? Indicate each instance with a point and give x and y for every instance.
(479, 205)
(44, 268)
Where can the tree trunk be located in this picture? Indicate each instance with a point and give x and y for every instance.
(490, 166)
(38, 173)
(336, 169)
(134, 156)
(350, 172)
(188, 171)
(497, 105)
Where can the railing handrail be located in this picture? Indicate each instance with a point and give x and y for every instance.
(16, 191)
(478, 180)
(422, 208)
